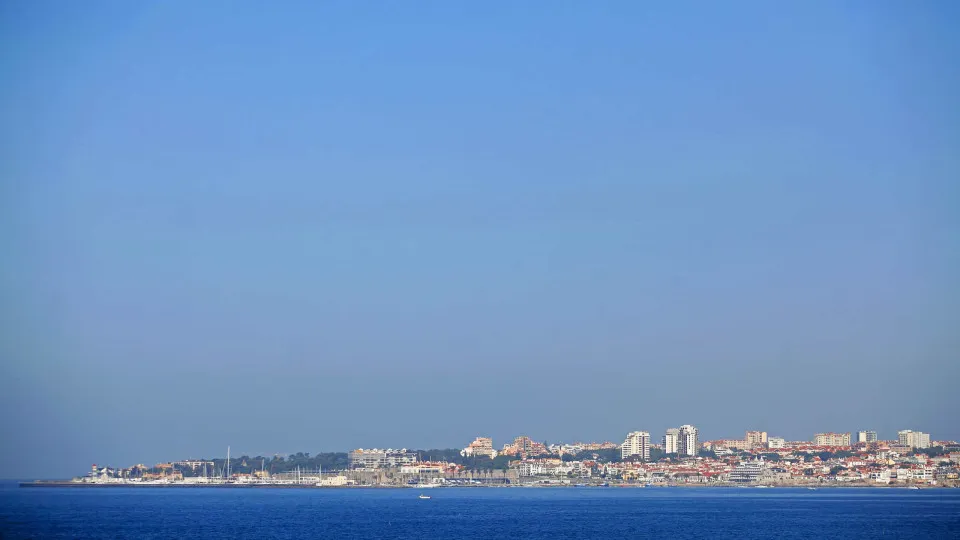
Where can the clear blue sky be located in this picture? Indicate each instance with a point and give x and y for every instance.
(318, 226)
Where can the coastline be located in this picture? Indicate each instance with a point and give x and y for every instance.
(69, 484)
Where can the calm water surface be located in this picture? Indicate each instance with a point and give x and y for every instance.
(478, 513)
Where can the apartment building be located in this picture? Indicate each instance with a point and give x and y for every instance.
(776, 442)
(689, 441)
(914, 439)
(755, 439)
(671, 441)
(726, 444)
(866, 436)
(832, 439)
(637, 443)
(523, 445)
(481, 446)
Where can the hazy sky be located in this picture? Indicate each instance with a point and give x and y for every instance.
(319, 226)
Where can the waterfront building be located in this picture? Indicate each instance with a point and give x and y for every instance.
(481, 446)
(380, 459)
(866, 436)
(304, 477)
(538, 467)
(755, 439)
(193, 464)
(914, 439)
(636, 444)
(335, 481)
(747, 472)
(426, 468)
(671, 441)
(832, 439)
(881, 476)
(689, 441)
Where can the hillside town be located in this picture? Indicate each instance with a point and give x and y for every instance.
(679, 458)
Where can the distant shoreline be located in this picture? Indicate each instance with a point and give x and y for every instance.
(55, 484)
(68, 484)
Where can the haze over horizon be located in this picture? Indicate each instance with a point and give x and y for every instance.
(304, 227)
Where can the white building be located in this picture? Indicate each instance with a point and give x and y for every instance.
(194, 465)
(880, 477)
(748, 471)
(776, 442)
(914, 439)
(560, 449)
(427, 468)
(637, 443)
(541, 467)
(689, 441)
(866, 436)
(338, 480)
(671, 441)
(380, 459)
(529, 468)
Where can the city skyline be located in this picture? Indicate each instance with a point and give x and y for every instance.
(832, 457)
(64, 468)
(332, 225)
(755, 460)
(652, 441)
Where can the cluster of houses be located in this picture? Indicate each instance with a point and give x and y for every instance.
(800, 463)
(831, 458)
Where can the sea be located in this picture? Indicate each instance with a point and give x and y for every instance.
(481, 513)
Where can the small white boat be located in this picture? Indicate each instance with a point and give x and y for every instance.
(913, 487)
(422, 496)
(812, 489)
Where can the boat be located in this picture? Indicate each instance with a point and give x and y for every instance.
(914, 487)
(422, 496)
(812, 489)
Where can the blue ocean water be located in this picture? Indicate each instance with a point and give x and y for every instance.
(487, 513)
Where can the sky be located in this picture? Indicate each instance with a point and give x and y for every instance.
(318, 226)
